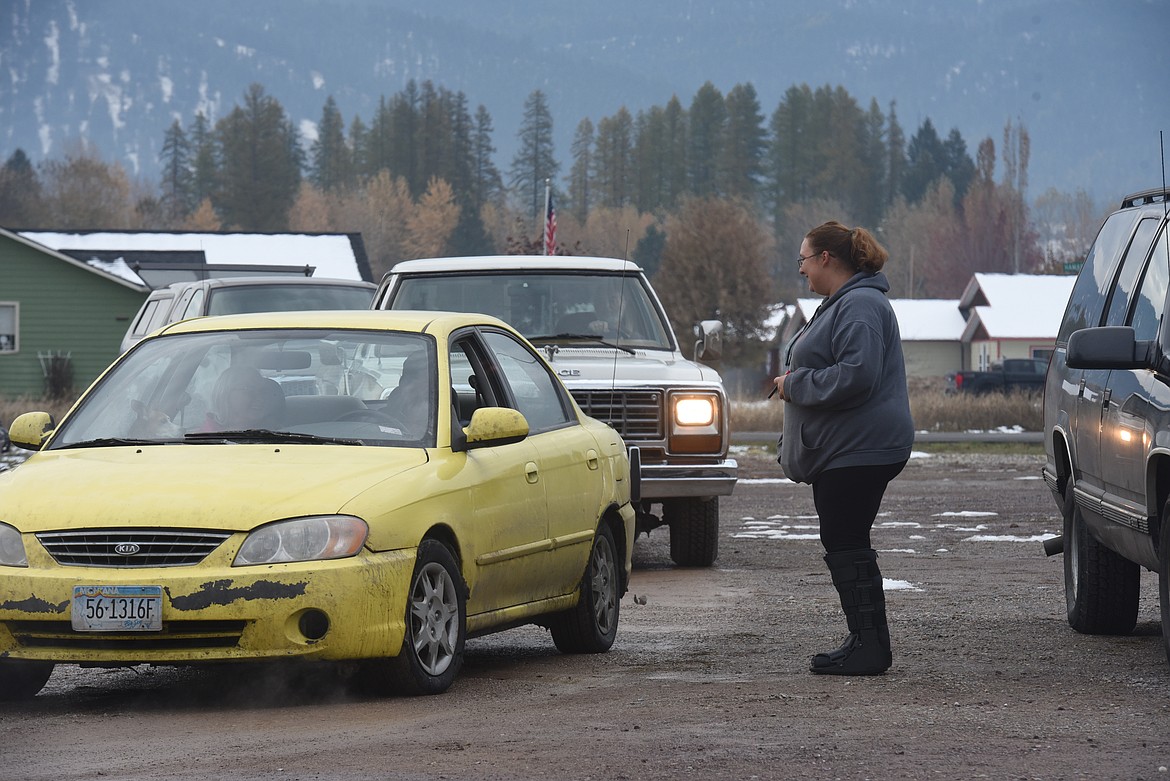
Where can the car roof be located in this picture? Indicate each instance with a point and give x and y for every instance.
(396, 320)
(507, 262)
(268, 280)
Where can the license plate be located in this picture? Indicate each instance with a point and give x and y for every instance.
(117, 608)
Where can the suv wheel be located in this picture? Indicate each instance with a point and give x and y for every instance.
(1100, 587)
(694, 531)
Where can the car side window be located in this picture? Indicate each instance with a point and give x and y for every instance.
(537, 394)
(1147, 313)
(1086, 302)
(1131, 266)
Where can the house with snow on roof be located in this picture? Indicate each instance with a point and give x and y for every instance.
(1011, 316)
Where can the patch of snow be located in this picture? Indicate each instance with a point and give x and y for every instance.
(898, 585)
(53, 44)
(1010, 538)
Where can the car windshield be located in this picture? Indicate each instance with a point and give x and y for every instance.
(296, 386)
(231, 300)
(564, 307)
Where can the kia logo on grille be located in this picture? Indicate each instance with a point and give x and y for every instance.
(126, 548)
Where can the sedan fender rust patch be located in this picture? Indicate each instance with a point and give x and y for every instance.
(222, 592)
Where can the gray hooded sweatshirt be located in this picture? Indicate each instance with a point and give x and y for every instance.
(845, 388)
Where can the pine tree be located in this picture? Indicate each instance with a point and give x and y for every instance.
(708, 121)
(925, 162)
(261, 164)
(330, 168)
(177, 188)
(895, 158)
(741, 155)
(21, 200)
(676, 146)
(534, 162)
(205, 167)
(580, 194)
(613, 160)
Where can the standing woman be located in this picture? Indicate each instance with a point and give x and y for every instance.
(847, 427)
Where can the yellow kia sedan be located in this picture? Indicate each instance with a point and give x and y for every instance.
(362, 485)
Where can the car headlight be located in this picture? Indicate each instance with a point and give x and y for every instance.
(315, 538)
(11, 547)
(696, 423)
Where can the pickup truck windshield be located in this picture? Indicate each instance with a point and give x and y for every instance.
(546, 307)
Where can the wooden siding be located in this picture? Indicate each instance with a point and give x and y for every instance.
(64, 308)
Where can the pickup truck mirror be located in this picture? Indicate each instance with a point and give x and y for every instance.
(708, 340)
(1109, 347)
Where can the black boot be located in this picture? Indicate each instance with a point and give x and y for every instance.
(866, 651)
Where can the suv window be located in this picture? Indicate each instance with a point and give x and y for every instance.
(1147, 313)
(1087, 299)
(1131, 266)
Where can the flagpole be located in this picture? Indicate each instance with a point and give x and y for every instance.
(544, 217)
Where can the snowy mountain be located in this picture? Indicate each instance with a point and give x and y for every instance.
(1078, 74)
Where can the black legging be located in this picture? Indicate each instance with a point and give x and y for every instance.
(847, 502)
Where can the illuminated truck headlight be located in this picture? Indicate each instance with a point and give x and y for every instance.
(696, 423)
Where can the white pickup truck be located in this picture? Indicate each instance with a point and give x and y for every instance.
(604, 332)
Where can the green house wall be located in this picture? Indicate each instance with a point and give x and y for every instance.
(64, 308)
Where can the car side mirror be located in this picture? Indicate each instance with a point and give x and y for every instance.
(491, 426)
(708, 340)
(30, 430)
(1108, 347)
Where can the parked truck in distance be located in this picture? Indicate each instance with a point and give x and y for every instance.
(1022, 374)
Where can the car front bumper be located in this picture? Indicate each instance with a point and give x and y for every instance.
(343, 609)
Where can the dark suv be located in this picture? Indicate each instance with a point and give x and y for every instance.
(1107, 421)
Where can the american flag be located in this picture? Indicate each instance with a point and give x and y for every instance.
(550, 228)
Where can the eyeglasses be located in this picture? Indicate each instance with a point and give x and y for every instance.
(800, 259)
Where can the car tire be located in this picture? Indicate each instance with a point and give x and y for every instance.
(22, 680)
(1101, 588)
(591, 626)
(436, 629)
(694, 531)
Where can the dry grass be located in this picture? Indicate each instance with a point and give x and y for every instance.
(10, 408)
(931, 409)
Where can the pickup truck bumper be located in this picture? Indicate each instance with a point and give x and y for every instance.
(668, 481)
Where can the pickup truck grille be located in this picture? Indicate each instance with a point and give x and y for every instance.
(131, 547)
(636, 415)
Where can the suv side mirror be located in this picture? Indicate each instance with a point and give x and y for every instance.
(1108, 347)
(709, 340)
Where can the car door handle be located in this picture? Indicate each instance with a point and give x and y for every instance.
(591, 459)
(1105, 397)
(531, 472)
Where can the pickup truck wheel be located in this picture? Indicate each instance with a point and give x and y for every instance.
(22, 680)
(1100, 587)
(694, 530)
(591, 626)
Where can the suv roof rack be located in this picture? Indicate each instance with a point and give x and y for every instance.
(1144, 197)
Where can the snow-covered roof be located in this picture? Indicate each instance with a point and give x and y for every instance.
(1013, 290)
(1016, 306)
(132, 281)
(331, 254)
(919, 319)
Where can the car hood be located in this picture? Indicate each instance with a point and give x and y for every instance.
(231, 487)
(605, 365)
